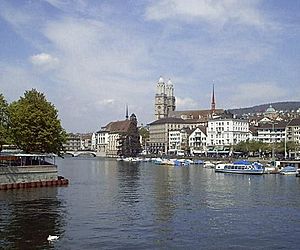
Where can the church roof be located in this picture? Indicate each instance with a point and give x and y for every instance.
(194, 114)
(118, 126)
(167, 120)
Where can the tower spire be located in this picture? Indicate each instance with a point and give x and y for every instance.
(127, 116)
(213, 103)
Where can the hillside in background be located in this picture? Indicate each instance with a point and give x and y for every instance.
(286, 106)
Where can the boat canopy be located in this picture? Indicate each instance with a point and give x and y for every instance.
(242, 162)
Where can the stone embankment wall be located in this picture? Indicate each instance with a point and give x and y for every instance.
(23, 174)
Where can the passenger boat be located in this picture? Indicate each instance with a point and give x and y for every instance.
(289, 170)
(240, 167)
(19, 170)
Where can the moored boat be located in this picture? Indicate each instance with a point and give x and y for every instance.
(289, 170)
(29, 170)
(208, 164)
(240, 167)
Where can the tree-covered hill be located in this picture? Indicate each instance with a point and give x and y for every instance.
(262, 108)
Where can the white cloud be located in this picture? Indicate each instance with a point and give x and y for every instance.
(185, 103)
(43, 59)
(215, 12)
(106, 102)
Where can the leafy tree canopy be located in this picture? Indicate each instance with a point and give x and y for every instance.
(34, 124)
(4, 132)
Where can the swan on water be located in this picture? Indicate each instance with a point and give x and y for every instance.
(52, 237)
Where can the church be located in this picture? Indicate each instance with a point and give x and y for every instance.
(165, 104)
(167, 119)
(164, 99)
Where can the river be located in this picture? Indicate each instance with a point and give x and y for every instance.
(118, 205)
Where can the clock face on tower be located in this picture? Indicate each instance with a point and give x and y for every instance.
(159, 107)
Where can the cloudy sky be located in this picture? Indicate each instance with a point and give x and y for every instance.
(93, 57)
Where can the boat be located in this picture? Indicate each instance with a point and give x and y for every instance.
(21, 170)
(240, 167)
(289, 170)
(208, 164)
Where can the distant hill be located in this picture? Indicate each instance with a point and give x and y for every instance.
(262, 108)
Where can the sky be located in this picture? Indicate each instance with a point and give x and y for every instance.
(91, 58)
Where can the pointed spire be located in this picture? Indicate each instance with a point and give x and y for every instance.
(169, 82)
(213, 103)
(127, 116)
(161, 80)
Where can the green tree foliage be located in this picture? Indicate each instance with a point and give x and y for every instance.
(252, 146)
(34, 124)
(129, 142)
(4, 131)
(144, 133)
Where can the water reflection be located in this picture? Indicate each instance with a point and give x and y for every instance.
(29, 216)
(128, 181)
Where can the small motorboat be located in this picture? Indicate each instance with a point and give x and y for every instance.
(289, 170)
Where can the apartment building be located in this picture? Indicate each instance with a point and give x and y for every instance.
(227, 131)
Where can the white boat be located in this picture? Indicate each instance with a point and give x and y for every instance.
(208, 164)
(289, 170)
(240, 167)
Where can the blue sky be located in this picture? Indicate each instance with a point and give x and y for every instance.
(91, 58)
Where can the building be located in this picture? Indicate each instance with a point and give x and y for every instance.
(73, 142)
(271, 132)
(164, 99)
(227, 131)
(101, 141)
(197, 141)
(293, 131)
(178, 141)
(86, 141)
(159, 132)
(117, 138)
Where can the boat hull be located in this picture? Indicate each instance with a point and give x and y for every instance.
(255, 172)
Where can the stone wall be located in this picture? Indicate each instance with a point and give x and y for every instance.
(18, 174)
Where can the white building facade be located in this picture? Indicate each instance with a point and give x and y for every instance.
(178, 141)
(227, 131)
(272, 132)
(197, 141)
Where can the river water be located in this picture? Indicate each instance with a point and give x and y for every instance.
(118, 205)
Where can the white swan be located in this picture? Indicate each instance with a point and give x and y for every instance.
(52, 237)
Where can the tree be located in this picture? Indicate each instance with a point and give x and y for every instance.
(34, 124)
(4, 131)
(129, 142)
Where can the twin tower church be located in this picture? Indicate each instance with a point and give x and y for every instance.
(165, 103)
(164, 99)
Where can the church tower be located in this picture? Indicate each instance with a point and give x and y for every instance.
(213, 103)
(170, 96)
(164, 99)
(161, 107)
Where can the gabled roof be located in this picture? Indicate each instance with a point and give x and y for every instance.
(118, 126)
(202, 129)
(294, 122)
